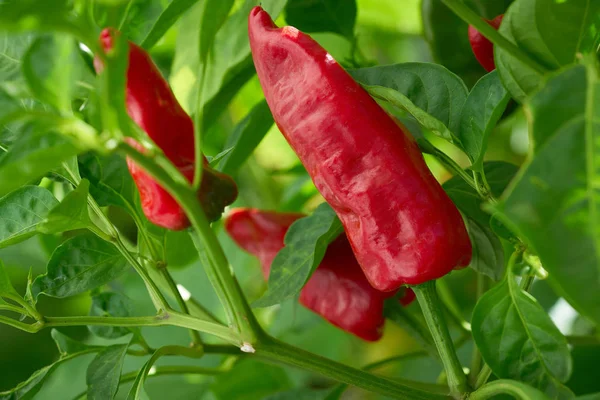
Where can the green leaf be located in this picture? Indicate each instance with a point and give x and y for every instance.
(483, 108)
(447, 36)
(12, 48)
(488, 253)
(82, 263)
(246, 136)
(337, 16)
(109, 304)
(36, 151)
(5, 285)
(48, 67)
(299, 394)
(137, 391)
(8, 104)
(72, 213)
(104, 372)
(429, 92)
(166, 19)
(551, 32)
(67, 345)
(214, 13)
(518, 340)
(22, 212)
(552, 206)
(250, 380)
(111, 183)
(305, 244)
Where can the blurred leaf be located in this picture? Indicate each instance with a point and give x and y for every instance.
(337, 16)
(483, 108)
(137, 391)
(585, 359)
(250, 380)
(12, 48)
(104, 372)
(552, 205)
(429, 92)
(594, 396)
(180, 250)
(66, 345)
(5, 285)
(72, 213)
(513, 389)
(488, 253)
(300, 394)
(82, 263)
(166, 19)
(246, 136)
(305, 244)
(22, 212)
(48, 67)
(213, 15)
(111, 183)
(37, 150)
(8, 104)
(564, 32)
(518, 340)
(134, 18)
(109, 304)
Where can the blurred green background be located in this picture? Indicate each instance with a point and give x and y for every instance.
(387, 31)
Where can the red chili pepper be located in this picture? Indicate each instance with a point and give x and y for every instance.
(153, 107)
(482, 47)
(402, 226)
(337, 290)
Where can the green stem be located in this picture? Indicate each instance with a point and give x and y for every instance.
(483, 376)
(8, 307)
(476, 359)
(196, 340)
(23, 303)
(447, 162)
(430, 304)
(482, 187)
(470, 17)
(200, 311)
(275, 350)
(504, 386)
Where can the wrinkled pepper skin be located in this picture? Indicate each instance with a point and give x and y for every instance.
(337, 290)
(402, 226)
(153, 107)
(482, 47)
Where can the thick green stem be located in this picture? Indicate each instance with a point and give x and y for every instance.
(516, 389)
(470, 17)
(483, 376)
(275, 350)
(430, 304)
(8, 307)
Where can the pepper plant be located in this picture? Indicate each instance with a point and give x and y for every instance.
(113, 182)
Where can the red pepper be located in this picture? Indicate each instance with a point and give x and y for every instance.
(402, 226)
(482, 47)
(337, 290)
(153, 107)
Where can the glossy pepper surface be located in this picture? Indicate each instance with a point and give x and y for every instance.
(482, 47)
(153, 107)
(402, 226)
(337, 290)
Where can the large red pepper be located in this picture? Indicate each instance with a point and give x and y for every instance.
(402, 226)
(153, 107)
(482, 47)
(337, 290)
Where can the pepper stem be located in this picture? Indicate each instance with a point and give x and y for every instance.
(430, 305)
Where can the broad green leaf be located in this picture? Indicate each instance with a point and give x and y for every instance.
(422, 89)
(518, 340)
(111, 183)
(585, 359)
(67, 345)
(230, 66)
(551, 32)
(246, 136)
(12, 48)
(104, 372)
(82, 263)
(447, 36)
(553, 204)
(250, 379)
(488, 253)
(36, 151)
(22, 212)
(8, 104)
(5, 286)
(72, 213)
(482, 110)
(48, 67)
(134, 18)
(109, 304)
(305, 244)
(166, 19)
(214, 13)
(337, 16)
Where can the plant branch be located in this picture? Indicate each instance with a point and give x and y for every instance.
(23, 303)
(470, 17)
(430, 304)
(516, 389)
(447, 162)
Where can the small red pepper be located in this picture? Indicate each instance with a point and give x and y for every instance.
(337, 290)
(402, 226)
(153, 107)
(482, 47)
